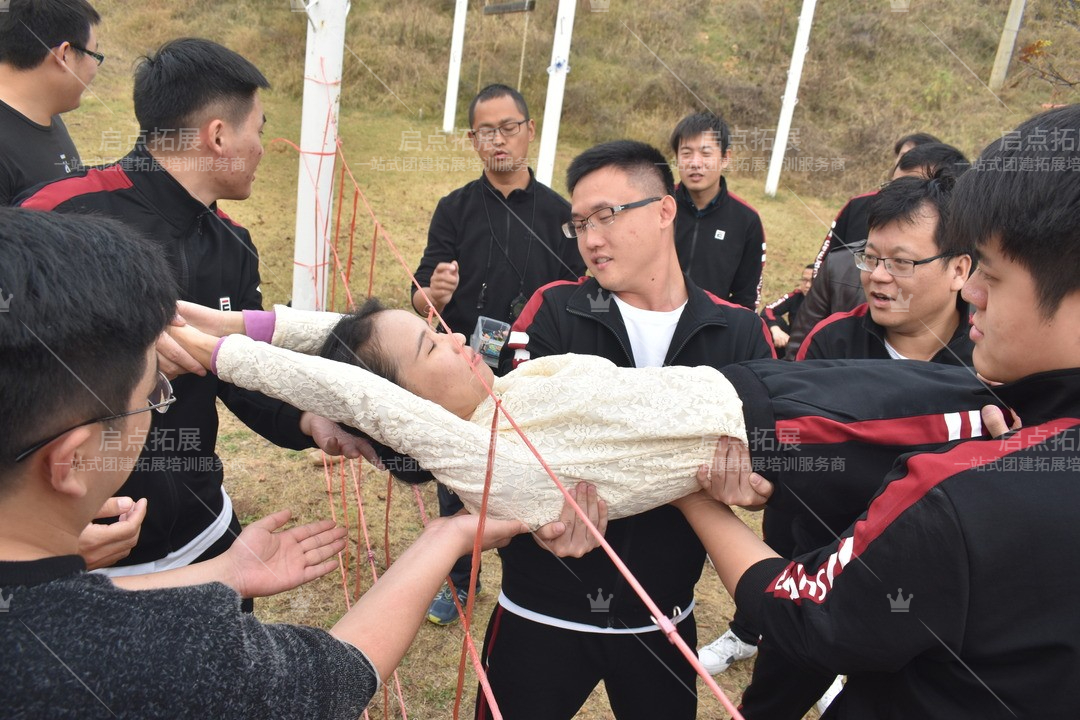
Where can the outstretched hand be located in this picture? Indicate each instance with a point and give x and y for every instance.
(569, 536)
(265, 560)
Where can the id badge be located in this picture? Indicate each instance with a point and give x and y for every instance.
(488, 339)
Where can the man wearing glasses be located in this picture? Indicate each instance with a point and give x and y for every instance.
(491, 245)
(48, 57)
(914, 310)
(574, 621)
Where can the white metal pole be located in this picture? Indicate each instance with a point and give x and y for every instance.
(560, 66)
(318, 142)
(453, 75)
(1008, 42)
(791, 96)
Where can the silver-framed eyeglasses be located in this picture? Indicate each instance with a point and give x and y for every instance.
(603, 216)
(507, 129)
(159, 399)
(897, 267)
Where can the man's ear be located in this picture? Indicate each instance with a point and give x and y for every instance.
(668, 211)
(63, 459)
(214, 134)
(725, 160)
(60, 54)
(960, 270)
(532, 129)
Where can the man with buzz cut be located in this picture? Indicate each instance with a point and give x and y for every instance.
(719, 237)
(935, 601)
(48, 57)
(491, 244)
(574, 621)
(200, 113)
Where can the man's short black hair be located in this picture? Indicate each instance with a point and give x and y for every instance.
(1024, 193)
(641, 161)
(30, 28)
(703, 122)
(919, 138)
(84, 299)
(906, 199)
(930, 158)
(187, 77)
(497, 90)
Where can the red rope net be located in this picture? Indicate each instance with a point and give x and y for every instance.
(341, 248)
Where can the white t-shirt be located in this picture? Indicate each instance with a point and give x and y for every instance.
(650, 332)
(893, 353)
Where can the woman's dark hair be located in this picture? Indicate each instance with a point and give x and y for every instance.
(353, 341)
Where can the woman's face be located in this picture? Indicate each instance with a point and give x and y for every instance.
(435, 366)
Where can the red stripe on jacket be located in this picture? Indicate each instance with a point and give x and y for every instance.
(55, 193)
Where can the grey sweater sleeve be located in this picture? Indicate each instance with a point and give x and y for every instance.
(176, 653)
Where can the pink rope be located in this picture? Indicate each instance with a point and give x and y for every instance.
(661, 620)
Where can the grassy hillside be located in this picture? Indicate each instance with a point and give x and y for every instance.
(871, 75)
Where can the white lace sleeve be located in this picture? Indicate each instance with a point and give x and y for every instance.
(638, 435)
(302, 330)
(453, 449)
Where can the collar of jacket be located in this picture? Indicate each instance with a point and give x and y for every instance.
(525, 192)
(682, 196)
(1041, 397)
(163, 191)
(700, 311)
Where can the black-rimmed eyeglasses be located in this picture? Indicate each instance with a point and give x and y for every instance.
(160, 398)
(96, 55)
(603, 216)
(897, 267)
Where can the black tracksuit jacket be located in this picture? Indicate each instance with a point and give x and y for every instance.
(214, 263)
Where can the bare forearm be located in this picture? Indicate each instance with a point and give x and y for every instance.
(420, 301)
(732, 546)
(217, 569)
(385, 620)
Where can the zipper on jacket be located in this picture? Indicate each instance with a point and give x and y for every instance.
(688, 338)
(627, 353)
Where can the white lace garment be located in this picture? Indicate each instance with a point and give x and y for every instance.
(637, 434)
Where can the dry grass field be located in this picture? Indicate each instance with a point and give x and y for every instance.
(871, 75)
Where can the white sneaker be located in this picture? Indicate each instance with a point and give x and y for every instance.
(718, 655)
(823, 704)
